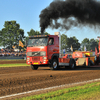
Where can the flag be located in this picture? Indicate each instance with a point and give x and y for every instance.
(21, 44)
(84, 48)
(71, 48)
(13, 46)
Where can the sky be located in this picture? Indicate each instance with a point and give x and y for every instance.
(26, 13)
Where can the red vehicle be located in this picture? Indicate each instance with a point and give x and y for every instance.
(44, 50)
(85, 58)
(98, 53)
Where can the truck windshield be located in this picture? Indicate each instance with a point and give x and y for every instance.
(37, 42)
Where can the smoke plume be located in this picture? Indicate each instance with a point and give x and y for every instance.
(66, 13)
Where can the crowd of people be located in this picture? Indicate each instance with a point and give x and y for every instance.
(6, 53)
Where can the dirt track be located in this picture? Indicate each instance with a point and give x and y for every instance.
(12, 61)
(20, 79)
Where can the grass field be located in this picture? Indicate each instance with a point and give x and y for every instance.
(13, 65)
(85, 92)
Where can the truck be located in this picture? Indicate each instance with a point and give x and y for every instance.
(45, 50)
(98, 53)
(85, 58)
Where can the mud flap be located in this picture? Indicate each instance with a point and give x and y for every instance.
(87, 62)
(72, 64)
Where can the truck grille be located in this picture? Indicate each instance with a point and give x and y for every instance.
(36, 54)
(29, 53)
(33, 54)
(36, 58)
(42, 53)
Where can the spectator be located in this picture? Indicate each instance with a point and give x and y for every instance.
(63, 51)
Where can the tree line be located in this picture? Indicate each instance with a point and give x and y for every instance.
(12, 33)
(74, 42)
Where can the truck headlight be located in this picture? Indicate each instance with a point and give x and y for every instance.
(43, 53)
(44, 57)
(28, 59)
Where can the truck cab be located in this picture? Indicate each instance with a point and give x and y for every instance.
(41, 49)
(45, 50)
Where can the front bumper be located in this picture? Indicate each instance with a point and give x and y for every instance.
(37, 60)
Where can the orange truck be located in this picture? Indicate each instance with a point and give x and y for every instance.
(85, 58)
(98, 53)
(45, 50)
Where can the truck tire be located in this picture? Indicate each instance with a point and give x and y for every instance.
(72, 64)
(34, 67)
(54, 64)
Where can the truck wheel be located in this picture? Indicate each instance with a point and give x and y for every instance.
(72, 64)
(34, 67)
(54, 64)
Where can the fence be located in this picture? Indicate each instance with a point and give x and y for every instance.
(12, 54)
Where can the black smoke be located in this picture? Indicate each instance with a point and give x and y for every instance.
(61, 13)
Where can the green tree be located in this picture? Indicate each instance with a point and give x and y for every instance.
(11, 34)
(85, 42)
(74, 42)
(93, 43)
(45, 33)
(33, 32)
